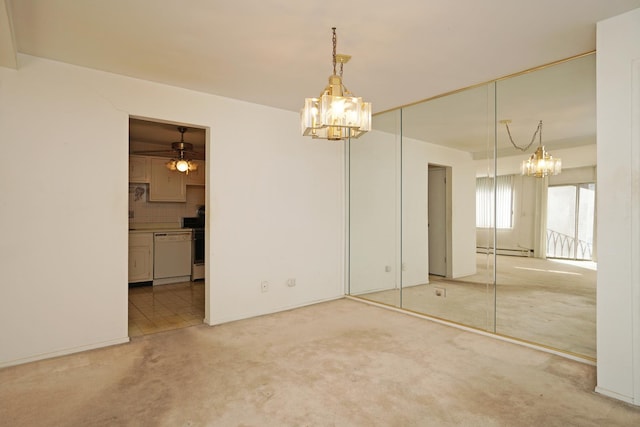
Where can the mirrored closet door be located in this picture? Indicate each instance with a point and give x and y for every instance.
(443, 223)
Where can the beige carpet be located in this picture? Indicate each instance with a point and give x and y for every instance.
(547, 302)
(341, 363)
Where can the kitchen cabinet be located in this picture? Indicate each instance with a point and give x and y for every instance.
(197, 177)
(166, 185)
(140, 257)
(139, 169)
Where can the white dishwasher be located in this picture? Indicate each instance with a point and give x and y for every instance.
(172, 257)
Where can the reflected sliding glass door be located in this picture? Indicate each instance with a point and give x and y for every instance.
(570, 221)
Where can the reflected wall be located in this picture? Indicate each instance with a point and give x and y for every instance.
(426, 192)
(439, 139)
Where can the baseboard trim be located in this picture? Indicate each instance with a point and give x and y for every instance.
(614, 395)
(522, 252)
(213, 322)
(170, 280)
(570, 356)
(64, 352)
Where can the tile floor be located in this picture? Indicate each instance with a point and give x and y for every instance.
(161, 308)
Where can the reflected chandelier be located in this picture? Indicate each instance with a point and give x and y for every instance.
(336, 114)
(541, 163)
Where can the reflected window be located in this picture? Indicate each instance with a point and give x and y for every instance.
(503, 201)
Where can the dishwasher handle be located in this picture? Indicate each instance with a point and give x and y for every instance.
(173, 237)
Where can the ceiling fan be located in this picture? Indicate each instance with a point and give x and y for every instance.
(180, 150)
(182, 154)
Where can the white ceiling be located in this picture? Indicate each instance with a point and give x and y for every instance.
(277, 52)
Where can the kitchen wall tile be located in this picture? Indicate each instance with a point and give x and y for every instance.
(143, 211)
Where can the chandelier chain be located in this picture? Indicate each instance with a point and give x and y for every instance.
(336, 114)
(335, 43)
(533, 138)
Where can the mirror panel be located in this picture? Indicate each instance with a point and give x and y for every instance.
(441, 140)
(443, 223)
(546, 269)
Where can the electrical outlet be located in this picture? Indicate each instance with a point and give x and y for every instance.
(264, 286)
(387, 268)
(291, 283)
(440, 292)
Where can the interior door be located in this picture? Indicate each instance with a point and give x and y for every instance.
(437, 220)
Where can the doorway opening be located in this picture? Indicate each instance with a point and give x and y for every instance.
(439, 220)
(167, 286)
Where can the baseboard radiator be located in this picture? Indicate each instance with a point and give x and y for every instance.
(505, 251)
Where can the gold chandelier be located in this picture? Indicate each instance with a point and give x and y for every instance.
(540, 163)
(336, 114)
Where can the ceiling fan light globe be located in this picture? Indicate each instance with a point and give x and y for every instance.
(171, 165)
(182, 165)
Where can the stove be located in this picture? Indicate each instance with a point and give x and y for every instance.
(193, 222)
(196, 224)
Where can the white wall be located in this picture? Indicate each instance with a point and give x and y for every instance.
(374, 212)
(275, 206)
(618, 204)
(415, 213)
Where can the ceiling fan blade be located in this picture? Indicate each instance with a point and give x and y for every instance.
(194, 155)
(164, 153)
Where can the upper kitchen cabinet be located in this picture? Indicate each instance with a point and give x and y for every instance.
(197, 177)
(166, 185)
(139, 169)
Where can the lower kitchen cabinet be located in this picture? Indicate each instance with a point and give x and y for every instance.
(140, 257)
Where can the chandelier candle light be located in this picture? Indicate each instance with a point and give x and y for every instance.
(336, 114)
(541, 163)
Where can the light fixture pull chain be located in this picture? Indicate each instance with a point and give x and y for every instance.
(533, 139)
(335, 42)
